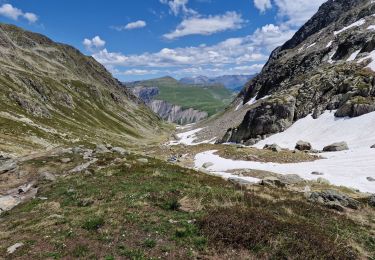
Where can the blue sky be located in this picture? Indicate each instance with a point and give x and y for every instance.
(139, 39)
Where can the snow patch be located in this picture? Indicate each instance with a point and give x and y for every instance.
(371, 27)
(355, 24)
(329, 44)
(353, 55)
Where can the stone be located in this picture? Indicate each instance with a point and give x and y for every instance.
(120, 150)
(334, 200)
(317, 173)
(14, 247)
(272, 147)
(336, 147)
(47, 176)
(371, 200)
(142, 160)
(373, 146)
(8, 166)
(323, 181)
(303, 146)
(371, 179)
(291, 178)
(207, 165)
(240, 182)
(77, 150)
(273, 182)
(101, 148)
(65, 160)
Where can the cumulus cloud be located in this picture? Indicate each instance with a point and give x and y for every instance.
(263, 5)
(206, 25)
(178, 6)
(94, 43)
(293, 13)
(131, 26)
(14, 13)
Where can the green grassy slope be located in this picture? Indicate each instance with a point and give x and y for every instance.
(211, 99)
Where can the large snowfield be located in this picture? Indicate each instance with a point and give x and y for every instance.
(346, 168)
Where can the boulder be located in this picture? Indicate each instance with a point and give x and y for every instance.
(371, 179)
(272, 147)
(373, 146)
(47, 176)
(334, 200)
(65, 160)
(240, 182)
(303, 146)
(273, 182)
(291, 178)
(371, 200)
(336, 147)
(101, 148)
(207, 165)
(142, 160)
(317, 173)
(9, 165)
(120, 150)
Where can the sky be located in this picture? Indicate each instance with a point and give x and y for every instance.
(141, 39)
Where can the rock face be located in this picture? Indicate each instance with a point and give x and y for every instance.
(325, 66)
(334, 200)
(336, 147)
(169, 112)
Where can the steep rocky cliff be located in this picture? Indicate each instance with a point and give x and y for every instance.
(51, 94)
(328, 65)
(167, 111)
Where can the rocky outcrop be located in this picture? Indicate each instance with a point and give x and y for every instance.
(325, 66)
(176, 114)
(169, 112)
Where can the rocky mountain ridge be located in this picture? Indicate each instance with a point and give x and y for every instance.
(327, 65)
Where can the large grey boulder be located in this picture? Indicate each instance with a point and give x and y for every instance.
(303, 146)
(272, 147)
(336, 147)
(334, 199)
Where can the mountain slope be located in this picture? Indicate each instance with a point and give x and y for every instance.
(210, 99)
(231, 82)
(51, 94)
(327, 65)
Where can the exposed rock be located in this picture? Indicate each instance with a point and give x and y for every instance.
(317, 173)
(8, 165)
(65, 160)
(334, 199)
(273, 182)
(336, 147)
(142, 160)
(291, 178)
(47, 176)
(82, 167)
(371, 200)
(120, 150)
(101, 148)
(240, 182)
(147, 94)
(207, 165)
(303, 146)
(272, 147)
(14, 247)
(371, 179)
(373, 146)
(189, 205)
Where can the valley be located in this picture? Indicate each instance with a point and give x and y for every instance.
(282, 167)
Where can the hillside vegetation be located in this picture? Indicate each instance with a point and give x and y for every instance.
(210, 99)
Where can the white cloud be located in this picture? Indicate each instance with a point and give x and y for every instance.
(263, 5)
(131, 26)
(178, 6)
(297, 12)
(206, 25)
(14, 13)
(93, 44)
(139, 72)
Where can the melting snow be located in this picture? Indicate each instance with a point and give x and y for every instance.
(347, 168)
(371, 27)
(372, 63)
(355, 24)
(329, 44)
(353, 56)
